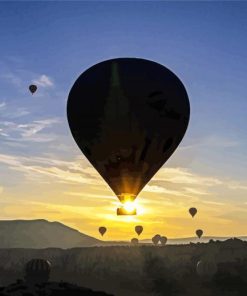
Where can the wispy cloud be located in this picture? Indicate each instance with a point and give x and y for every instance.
(160, 189)
(20, 77)
(237, 186)
(214, 203)
(232, 215)
(212, 141)
(78, 172)
(183, 176)
(97, 196)
(2, 105)
(12, 114)
(12, 78)
(19, 112)
(69, 172)
(195, 191)
(64, 176)
(220, 141)
(44, 81)
(28, 131)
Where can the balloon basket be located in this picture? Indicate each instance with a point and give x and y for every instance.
(122, 211)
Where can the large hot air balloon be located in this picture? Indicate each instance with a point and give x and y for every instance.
(138, 229)
(193, 211)
(206, 268)
(163, 240)
(128, 115)
(156, 239)
(102, 230)
(134, 241)
(199, 233)
(32, 88)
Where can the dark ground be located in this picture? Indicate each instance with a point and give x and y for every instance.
(52, 289)
(139, 270)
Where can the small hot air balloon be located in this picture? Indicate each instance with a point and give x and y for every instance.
(32, 88)
(206, 268)
(163, 240)
(138, 229)
(102, 230)
(193, 211)
(128, 115)
(199, 233)
(37, 271)
(134, 241)
(156, 239)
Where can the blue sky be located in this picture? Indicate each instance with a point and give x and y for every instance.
(51, 43)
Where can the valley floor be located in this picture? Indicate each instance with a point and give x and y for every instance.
(141, 270)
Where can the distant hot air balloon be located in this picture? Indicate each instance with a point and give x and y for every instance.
(193, 211)
(37, 271)
(32, 88)
(102, 230)
(128, 115)
(156, 239)
(138, 229)
(206, 268)
(163, 240)
(199, 233)
(134, 241)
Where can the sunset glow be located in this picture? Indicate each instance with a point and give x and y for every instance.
(44, 175)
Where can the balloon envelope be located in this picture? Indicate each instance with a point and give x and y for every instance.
(134, 241)
(32, 88)
(138, 229)
(128, 115)
(199, 233)
(193, 211)
(37, 270)
(102, 230)
(163, 240)
(206, 268)
(156, 239)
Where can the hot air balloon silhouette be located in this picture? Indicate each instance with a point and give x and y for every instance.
(193, 211)
(37, 271)
(138, 229)
(102, 230)
(134, 241)
(32, 88)
(199, 233)
(128, 115)
(206, 268)
(156, 239)
(163, 240)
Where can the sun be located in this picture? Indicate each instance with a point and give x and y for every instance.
(129, 206)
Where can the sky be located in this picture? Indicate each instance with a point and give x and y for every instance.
(43, 174)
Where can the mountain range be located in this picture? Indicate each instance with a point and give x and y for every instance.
(39, 234)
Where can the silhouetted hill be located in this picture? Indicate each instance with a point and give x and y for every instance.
(41, 234)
